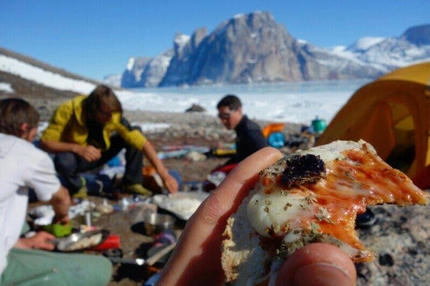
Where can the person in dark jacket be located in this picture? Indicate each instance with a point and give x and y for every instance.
(249, 137)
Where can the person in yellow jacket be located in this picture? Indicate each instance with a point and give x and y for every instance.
(86, 132)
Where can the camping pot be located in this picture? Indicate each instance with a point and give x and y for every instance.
(319, 125)
(156, 223)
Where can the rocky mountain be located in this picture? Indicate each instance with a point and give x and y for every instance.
(386, 54)
(113, 80)
(25, 77)
(247, 48)
(133, 74)
(244, 49)
(33, 82)
(419, 35)
(254, 48)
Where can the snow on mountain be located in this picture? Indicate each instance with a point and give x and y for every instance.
(341, 61)
(42, 76)
(368, 57)
(218, 57)
(130, 63)
(133, 74)
(388, 53)
(113, 80)
(365, 43)
(6, 87)
(383, 54)
(156, 68)
(181, 40)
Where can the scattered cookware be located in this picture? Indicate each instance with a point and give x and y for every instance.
(80, 240)
(156, 223)
(115, 256)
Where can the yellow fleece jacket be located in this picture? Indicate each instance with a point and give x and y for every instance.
(68, 125)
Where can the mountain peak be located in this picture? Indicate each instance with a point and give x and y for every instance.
(363, 44)
(418, 35)
(253, 47)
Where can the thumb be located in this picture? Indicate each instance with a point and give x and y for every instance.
(317, 264)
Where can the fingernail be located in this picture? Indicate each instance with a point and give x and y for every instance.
(322, 274)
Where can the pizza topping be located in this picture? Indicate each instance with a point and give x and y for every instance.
(302, 169)
(319, 192)
(284, 212)
(295, 240)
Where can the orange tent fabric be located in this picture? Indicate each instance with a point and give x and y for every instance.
(393, 114)
(272, 127)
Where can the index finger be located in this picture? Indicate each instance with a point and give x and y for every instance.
(230, 193)
(197, 257)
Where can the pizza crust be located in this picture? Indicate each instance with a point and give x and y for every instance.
(242, 244)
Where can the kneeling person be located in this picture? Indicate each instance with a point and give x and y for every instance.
(87, 131)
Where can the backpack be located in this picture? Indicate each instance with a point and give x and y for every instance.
(276, 139)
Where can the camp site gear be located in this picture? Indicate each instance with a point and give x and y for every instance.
(393, 114)
(319, 125)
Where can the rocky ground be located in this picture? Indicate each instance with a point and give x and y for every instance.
(400, 238)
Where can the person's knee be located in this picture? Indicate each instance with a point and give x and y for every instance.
(65, 161)
(104, 271)
(90, 269)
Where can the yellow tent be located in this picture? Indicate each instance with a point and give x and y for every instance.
(393, 114)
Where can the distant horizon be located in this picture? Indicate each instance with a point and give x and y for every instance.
(95, 39)
(295, 102)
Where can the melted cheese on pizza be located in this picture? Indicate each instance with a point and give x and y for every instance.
(325, 209)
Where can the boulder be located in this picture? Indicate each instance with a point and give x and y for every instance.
(195, 108)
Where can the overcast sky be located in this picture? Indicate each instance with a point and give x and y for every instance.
(95, 38)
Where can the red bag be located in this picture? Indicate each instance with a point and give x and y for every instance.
(111, 242)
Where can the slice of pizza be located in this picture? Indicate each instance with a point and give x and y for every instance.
(310, 196)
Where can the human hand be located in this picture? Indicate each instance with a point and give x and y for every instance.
(170, 183)
(41, 240)
(318, 264)
(197, 256)
(60, 219)
(89, 153)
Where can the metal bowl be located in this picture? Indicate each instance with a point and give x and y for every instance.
(156, 223)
